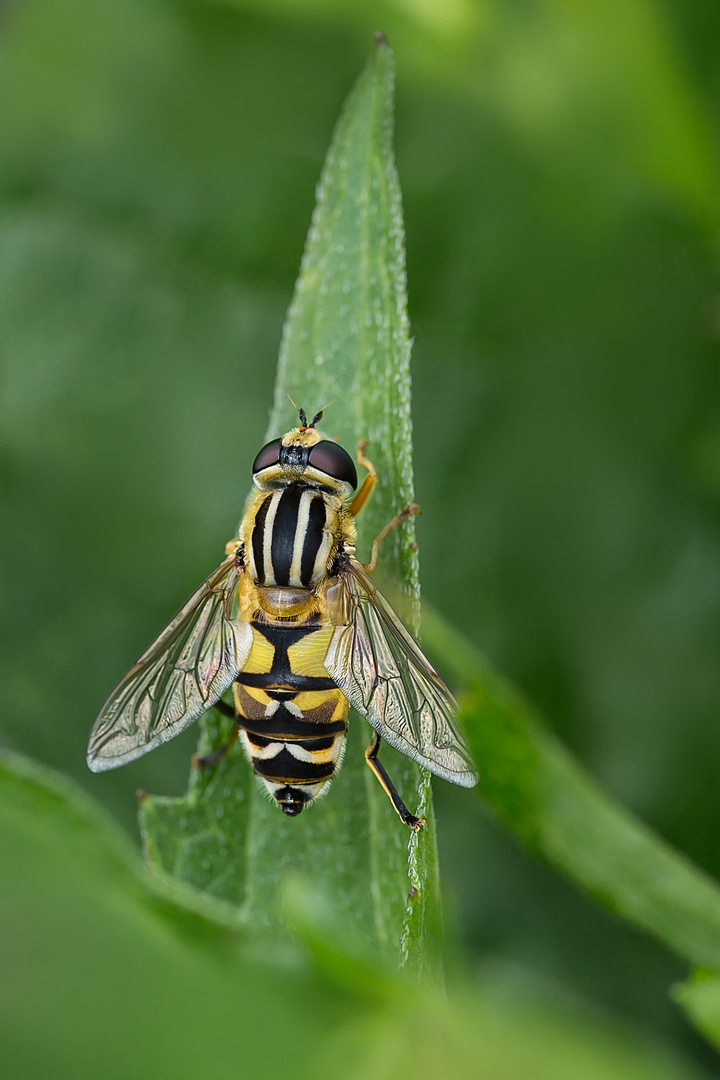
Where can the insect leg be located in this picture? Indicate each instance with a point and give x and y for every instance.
(225, 709)
(401, 809)
(368, 483)
(218, 755)
(406, 512)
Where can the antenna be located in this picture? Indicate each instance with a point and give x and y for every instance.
(301, 414)
(318, 416)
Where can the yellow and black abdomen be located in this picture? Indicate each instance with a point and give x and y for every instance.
(292, 716)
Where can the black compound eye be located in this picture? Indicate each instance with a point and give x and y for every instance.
(269, 455)
(330, 458)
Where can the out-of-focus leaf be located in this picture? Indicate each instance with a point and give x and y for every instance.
(418, 1031)
(346, 341)
(102, 977)
(699, 997)
(558, 812)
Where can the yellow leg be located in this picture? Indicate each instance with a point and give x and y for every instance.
(406, 512)
(388, 787)
(368, 483)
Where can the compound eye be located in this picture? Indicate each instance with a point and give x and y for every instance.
(330, 458)
(269, 455)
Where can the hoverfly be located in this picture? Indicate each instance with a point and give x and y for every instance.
(295, 625)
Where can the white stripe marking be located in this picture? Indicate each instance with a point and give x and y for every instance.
(321, 559)
(267, 538)
(300, 533)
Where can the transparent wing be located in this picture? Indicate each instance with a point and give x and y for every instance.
(380, 668)
(185, 671)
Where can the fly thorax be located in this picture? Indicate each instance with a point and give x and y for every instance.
(293, 536)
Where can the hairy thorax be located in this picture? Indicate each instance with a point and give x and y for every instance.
(292, 538)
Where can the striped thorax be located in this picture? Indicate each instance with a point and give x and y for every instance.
(291, 535)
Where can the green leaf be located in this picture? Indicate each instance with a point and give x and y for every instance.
(346, 341)
(699, 998)
(557, 811)
(102, 977)
(105, 977)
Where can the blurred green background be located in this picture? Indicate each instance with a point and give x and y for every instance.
(559, 169)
